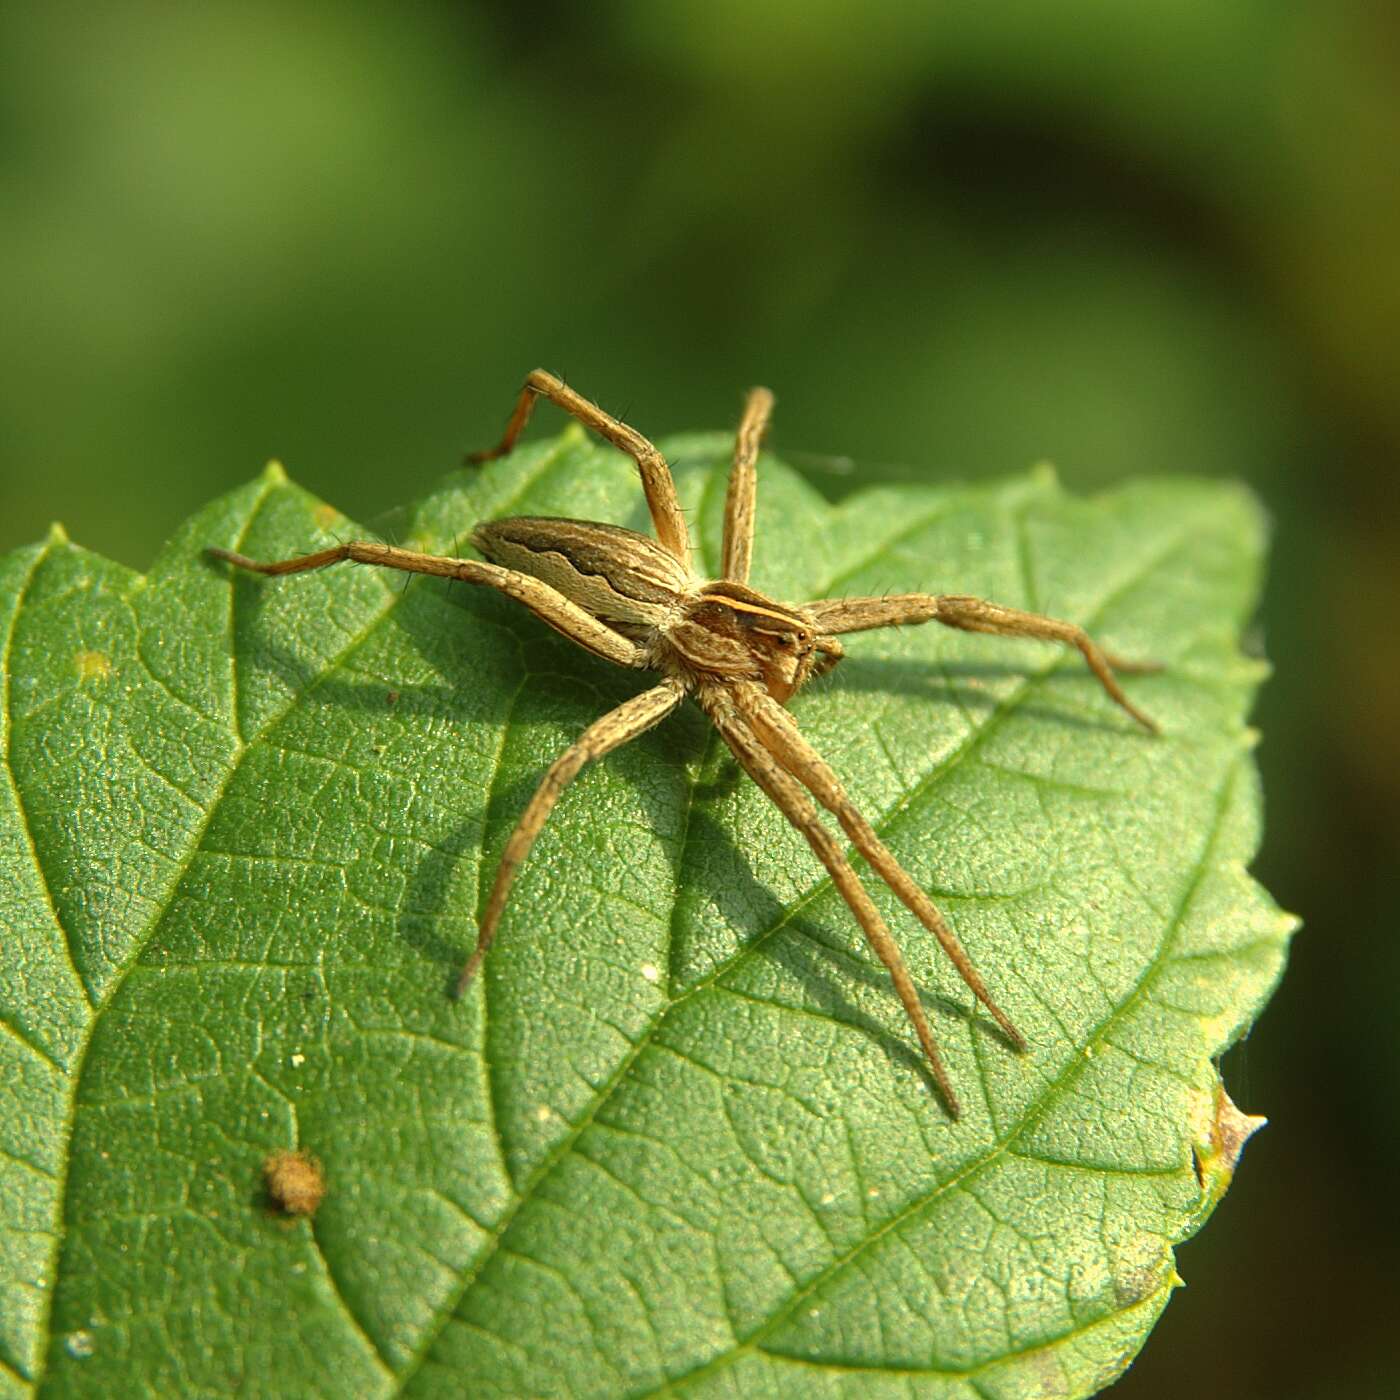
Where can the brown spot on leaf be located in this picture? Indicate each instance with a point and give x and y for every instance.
(1134, 1285)
(1049, 1375)
(326, 515)
(296, 1182)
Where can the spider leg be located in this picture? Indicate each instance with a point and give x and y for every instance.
(657, 483)
(837, 615)
(788, 796)
(779, 734)
(545, 602)
(743, 487)
(617, 727)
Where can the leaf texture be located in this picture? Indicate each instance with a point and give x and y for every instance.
(677, 1140)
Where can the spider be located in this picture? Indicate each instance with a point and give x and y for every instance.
(740, 655)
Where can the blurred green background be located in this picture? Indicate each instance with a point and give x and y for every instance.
(1157, 237)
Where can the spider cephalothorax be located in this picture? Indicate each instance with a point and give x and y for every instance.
(740, 656)
(731, 633)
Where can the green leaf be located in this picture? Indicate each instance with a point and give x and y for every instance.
(678, 1138)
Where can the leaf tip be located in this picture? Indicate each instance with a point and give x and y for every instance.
(1220, 1142)
(1044, 476)
(57, 534)
(274, 473)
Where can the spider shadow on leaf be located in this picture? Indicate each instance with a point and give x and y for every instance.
(822, 969)
(443, 627)
(572, 689)
(962, 685)
(801, 948)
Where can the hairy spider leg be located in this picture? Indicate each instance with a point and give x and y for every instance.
(967, 614)
(620, 726)
(787, 795)
(737, 550)
(547, 603)
(779, 734)
(657, 482)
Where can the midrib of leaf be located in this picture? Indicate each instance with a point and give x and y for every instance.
(971, 745)
(242, 746)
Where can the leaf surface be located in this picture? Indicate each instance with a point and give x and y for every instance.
(678, 1138)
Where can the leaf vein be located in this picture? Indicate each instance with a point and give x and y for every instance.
(380, 1364)
(32, 1046)
(971, 1374)
(6, 674)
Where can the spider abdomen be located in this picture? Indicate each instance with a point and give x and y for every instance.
(621, 577)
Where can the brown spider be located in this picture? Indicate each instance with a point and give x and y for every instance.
(739, 654)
